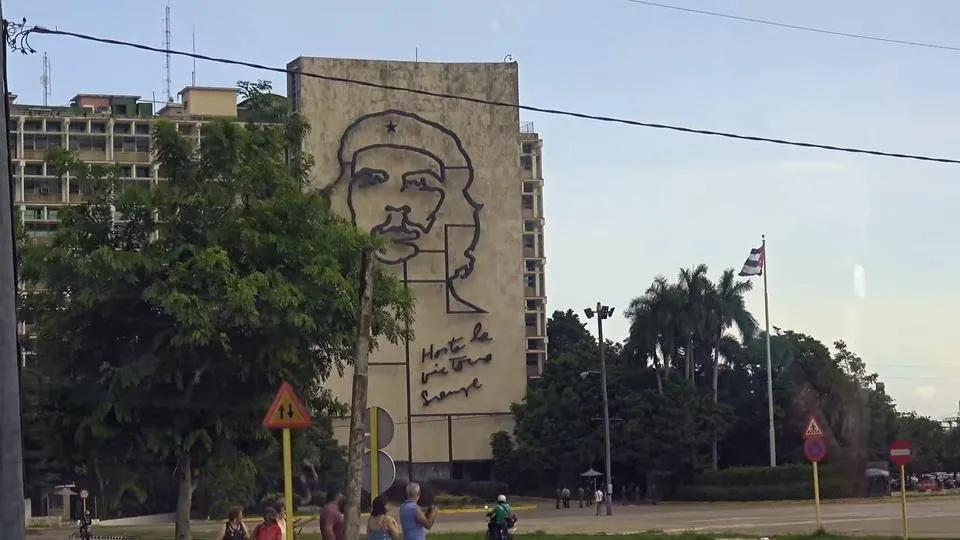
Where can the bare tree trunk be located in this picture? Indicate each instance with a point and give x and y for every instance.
(358, 405)
(184, 497)
(715, 376)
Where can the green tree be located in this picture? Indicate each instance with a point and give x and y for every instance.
(170, 316)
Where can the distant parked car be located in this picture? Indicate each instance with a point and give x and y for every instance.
(928, 483)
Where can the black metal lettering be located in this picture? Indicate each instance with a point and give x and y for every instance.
(432, 353)
(427, 399)
(457, 363)
(437, 370)
(479, 334)
(456, 345)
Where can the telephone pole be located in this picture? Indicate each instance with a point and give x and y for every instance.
(12, 519)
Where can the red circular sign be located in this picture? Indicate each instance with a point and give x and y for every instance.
(815, 449)
(901, 452)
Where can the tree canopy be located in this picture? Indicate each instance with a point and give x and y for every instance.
(688, 394)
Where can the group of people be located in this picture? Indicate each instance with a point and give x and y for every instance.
(413, 525)
(563, 498)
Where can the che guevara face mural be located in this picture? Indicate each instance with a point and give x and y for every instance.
(409, 180)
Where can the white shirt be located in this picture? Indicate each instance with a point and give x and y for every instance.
(598, 496)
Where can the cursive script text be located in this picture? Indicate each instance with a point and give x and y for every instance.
(444, 394)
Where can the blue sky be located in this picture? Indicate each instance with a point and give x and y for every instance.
(640, 202)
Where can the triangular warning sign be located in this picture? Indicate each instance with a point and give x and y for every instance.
(287, 411)
(813, 429)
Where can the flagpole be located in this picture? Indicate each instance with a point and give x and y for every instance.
(766, 316)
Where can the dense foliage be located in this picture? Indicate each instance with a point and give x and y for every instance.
(688, 396)
(166, 318)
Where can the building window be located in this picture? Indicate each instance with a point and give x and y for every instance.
(87, 144)
(526, 161)
(33, 125)
(533, 359)
(531, 305)
(527, 148)
(529, 281)
(77, 127)
(33, 169)
(54, 126)
(531, 265)
(535, 344)
(529, 241)
(122, 128)
(527, 201)
(530, 225)
(143, 171)
(98, 127)
(142, 129)
(530, 320)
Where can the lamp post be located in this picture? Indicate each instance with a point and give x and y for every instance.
(604, 312)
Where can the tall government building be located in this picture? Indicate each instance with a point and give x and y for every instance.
(456, 187)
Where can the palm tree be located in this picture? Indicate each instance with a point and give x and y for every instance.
(727, 310)
(653, 327)
(695, 290)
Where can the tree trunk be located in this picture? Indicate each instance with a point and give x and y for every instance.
(184, 496)
(358, 405)
(688, 360)
(104, 496)
(715, 376)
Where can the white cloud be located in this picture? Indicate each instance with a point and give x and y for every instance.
(926, 393)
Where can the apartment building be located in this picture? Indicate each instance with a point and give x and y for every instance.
(534, 259)
(99, 128)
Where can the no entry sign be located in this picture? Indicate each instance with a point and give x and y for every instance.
(815, 449)
(901, 452)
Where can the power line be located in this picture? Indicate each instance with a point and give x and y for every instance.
(19, 38)
(813, 29)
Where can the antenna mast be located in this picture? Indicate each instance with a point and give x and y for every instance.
(45, 80)
(166, 46)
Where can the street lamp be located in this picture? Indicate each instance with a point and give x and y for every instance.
(603, 312)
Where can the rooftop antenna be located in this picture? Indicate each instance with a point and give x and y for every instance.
(166, 46)
(45, 79)
(416, 54)
(193, 75)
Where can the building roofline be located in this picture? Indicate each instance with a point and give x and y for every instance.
(220, 88)
(74, 98)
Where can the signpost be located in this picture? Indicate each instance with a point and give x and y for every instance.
(84, 494)
(901, 453)
(815, 448)
(378, 474)
(287, 412)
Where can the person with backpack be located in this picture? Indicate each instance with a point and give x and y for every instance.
(234, 529)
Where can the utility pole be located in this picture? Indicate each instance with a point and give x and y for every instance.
(12, 518)
(604, 312)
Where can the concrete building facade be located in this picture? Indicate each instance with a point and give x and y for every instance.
(445, 182)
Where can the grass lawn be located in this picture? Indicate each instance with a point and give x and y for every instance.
(148, 534)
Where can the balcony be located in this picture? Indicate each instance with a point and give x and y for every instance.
(89, 147)
(41, 190)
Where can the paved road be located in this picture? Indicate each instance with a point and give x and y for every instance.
(930, 518)
(933, 517)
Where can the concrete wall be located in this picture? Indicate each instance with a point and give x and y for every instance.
(202, 101)
(446, 172)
